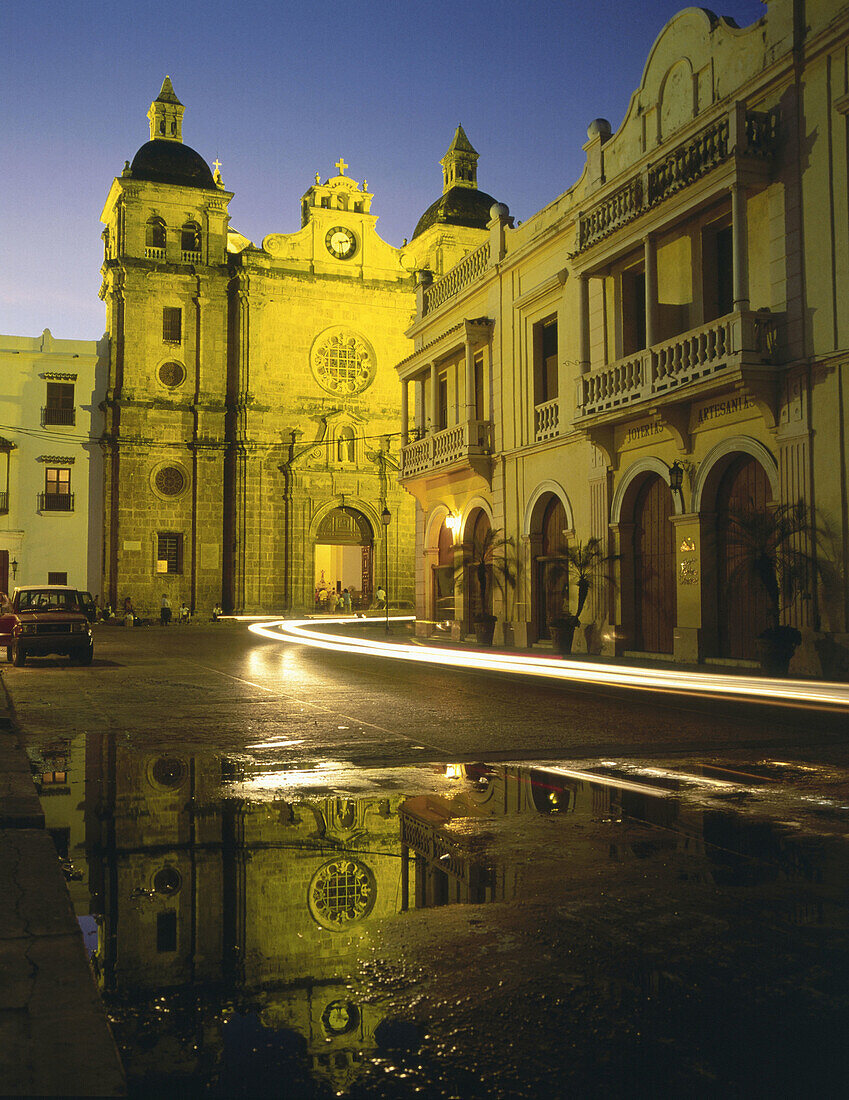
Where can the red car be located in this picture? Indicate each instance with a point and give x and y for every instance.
(8, 619)
(49, 618)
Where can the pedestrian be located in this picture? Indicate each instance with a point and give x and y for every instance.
(346, 601)
(129, 614)
(165, 610)
(185, 614)
(217, 612)
(380, 595)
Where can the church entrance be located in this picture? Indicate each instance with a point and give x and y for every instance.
(344, 558)
(654, 568)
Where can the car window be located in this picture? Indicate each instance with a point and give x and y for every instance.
(5, 604)
(45, 600)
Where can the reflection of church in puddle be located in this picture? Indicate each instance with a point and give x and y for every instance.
(232, 934)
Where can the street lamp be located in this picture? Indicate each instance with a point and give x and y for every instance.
(14, 565)
(676, 480)
(385, 519)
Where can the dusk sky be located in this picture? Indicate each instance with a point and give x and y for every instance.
(278, 91)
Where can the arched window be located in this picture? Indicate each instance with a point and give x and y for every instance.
(190, 237)
(345, 445)
(155, 233)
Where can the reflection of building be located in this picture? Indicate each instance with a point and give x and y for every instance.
(252, 398)
(683, 302)
(50, 463)
(270, 902)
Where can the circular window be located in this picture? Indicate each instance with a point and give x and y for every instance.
(172, 374)
(167, 881)
(340, 1017)
(168, 771)
(341, 892)
(170, 481)
(342, 362)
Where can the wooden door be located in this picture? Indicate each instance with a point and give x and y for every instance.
(654, 568)
(742, 607)
(551, 578)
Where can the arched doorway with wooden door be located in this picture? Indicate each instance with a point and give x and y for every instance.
(742, 603)
(442, 576)
(344, 558)
(551, 578)
(477, 603)
(654, 596)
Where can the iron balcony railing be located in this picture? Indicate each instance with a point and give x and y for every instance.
(52, 414)
(55, 502)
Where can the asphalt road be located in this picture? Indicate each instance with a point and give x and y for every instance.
(219, 687)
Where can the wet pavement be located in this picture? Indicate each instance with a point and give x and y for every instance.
(299, 874)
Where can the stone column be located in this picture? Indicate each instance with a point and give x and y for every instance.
(405, 413)
(740, 238)
(650, 257)
(584, 323)
(434, 398)
(470, 381)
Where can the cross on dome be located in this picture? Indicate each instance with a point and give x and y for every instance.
(341, 165)
(216, 164)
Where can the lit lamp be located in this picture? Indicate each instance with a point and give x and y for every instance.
(676, 480)
(452, 522)
(386, 519)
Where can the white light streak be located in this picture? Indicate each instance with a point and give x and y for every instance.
(711, 685)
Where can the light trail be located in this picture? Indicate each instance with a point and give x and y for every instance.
(783, 692)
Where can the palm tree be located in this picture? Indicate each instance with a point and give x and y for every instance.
(491, 560)
(587, 566)
(776, 549)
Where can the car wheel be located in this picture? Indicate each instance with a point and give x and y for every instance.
(19, 657)
(9, 654)
(85, 656)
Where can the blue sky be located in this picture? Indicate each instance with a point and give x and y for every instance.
(279, 91)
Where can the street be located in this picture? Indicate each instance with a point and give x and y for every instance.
(378, 879)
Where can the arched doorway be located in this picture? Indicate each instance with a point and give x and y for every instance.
(742, 608)
(344, 558)
(477, 528)
(550, 578)
(442, 577)
(654, 567)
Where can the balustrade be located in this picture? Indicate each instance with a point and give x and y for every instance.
(454, 444)
(154, 253)
(547, 420)
(460, 276)
(730, 340)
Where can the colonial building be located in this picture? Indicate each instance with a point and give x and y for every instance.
(50, 463)
(251, 444)
(662, 344)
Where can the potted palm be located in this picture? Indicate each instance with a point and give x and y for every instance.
(775, 548)
(587, 566)
(490, 560)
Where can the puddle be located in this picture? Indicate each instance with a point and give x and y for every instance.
(462, 931)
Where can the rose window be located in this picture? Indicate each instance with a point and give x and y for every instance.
(170, 481)
(342, 363)
(341, 892)
(172, 374)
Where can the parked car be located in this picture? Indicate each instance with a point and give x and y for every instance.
(89, 606)
(50, 619)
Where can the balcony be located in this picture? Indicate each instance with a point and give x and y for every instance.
(4, 503)
(466, 445)
(155, 254)
(463, 274)
(681, 368)
(547, 420)
(190, 256)
(55, 502)
(52, 414)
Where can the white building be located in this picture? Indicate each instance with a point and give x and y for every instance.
(51, 472)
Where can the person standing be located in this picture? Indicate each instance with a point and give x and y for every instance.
(346, 601)
(165, 610)
(380, 597)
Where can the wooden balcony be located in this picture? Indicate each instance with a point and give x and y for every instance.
(738, 348)
(468, 444)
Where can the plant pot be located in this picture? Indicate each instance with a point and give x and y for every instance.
(776, 646)
(484, 629)
(563, 633)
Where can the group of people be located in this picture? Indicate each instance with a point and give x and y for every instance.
(130, 618)
(328, 599)
(165, 611)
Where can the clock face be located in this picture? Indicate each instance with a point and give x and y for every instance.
(341, 243)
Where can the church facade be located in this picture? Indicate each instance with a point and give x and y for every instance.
(251, 444)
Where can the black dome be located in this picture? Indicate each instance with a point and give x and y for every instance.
(458, 206)
(172, 162)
